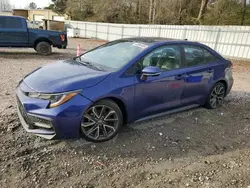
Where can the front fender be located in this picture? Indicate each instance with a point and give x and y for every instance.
(122, 89)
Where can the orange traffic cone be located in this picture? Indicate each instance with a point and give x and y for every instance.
(78, 53)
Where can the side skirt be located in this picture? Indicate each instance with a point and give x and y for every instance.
(168, 112)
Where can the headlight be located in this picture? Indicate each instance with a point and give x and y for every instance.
(55, 99)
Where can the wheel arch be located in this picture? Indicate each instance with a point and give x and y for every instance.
(207, 101)
(120, 104)
(42, 39)
(224, 82)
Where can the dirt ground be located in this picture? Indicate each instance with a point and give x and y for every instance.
(196, 148)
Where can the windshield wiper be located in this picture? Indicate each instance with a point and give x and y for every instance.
(88, 63)
(77, 57)
(93, 66)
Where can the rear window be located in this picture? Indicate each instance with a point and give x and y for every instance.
(10, 23)
(197, 56)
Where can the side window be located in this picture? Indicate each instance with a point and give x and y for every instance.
(197, 56)
(2, 21)
(209, 57)
(165, 57)
(11, 23)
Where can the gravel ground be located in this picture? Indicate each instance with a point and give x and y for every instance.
(196, 148)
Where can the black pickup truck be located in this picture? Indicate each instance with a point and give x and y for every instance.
(14, 32)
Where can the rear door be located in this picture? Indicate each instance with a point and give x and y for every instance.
(200, 68)
(14, 31)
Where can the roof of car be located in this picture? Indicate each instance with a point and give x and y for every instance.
(150, 40)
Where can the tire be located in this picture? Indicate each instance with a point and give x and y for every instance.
(43, 48)
(102, 121)
(216, 96)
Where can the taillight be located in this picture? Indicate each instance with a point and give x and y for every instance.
(62, 37)
(231, 65)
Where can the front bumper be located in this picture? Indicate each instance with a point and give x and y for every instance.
(62, 122)
(63, 44)
(45, 130)
(230, 85)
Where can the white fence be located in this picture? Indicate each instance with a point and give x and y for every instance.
(230, 41)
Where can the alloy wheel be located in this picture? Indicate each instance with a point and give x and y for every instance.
(217, 95)
(100, 122)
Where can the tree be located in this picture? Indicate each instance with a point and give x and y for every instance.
(32, 5)
(184, 11)
(5, 5)
(50, 7)
(152, 11)
(244, 6)
(60, 6)
(79, 9)
(224, 12)
(202, 10)
(188, 12)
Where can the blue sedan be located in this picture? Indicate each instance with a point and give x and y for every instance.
(123, 81)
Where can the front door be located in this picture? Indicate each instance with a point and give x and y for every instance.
(13, 32)
(159, 93)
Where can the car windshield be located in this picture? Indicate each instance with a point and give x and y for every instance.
(115, 54)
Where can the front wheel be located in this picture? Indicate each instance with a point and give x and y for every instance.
(102, 121)
(216, 96)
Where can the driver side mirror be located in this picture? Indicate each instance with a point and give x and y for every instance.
(150, 71)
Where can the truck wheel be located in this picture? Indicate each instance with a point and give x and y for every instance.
(43, 48)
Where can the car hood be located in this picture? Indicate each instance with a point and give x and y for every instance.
(63, 76)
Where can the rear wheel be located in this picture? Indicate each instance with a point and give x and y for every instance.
(43, 48)
(216, 96)
(102, 121)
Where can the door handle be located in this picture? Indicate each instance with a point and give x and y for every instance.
(179, 77)
(210, 70)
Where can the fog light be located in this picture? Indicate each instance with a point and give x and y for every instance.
(40, 122)
(42, 125)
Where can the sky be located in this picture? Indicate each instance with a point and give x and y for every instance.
(25, 3)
